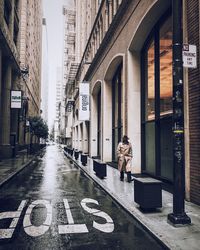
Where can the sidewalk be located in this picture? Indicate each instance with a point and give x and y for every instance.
(187, 237)
(123, 192)
(9, 167)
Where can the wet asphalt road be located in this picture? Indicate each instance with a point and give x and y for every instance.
(53, 205)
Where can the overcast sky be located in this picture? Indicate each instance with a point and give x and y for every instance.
(52, 11)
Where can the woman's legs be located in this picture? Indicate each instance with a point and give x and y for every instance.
(129, 176)
(122, 175)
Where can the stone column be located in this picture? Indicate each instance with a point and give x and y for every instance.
(110, 11)
(14, 114)
(11, 23)
(80, 137)
(93, 126)
(107, 18)
(76, 137)
(85, 138)
(107, 121)
(0, 93)
(5, 147)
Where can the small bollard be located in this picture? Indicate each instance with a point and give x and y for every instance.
(84, 159)
(76, 154)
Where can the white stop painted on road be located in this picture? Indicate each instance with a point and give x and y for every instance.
(32, 230)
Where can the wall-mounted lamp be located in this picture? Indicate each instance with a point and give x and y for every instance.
(24, 71)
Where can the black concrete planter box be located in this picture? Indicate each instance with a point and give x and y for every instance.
(148, 193)
(99, 168)
(84, 159)
(76, 154)
(71, 152)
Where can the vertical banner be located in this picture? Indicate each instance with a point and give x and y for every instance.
(16, 99)
(84, 102)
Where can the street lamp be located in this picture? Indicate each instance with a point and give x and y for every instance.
(178, 217)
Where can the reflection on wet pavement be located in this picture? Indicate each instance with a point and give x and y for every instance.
(66, 210)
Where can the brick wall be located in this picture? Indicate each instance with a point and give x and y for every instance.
(194, 102)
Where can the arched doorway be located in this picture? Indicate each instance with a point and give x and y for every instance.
(96, 121)
(117, 101)
(113, 108)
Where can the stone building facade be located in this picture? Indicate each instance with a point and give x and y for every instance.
(45, 71)
(69, 70)
(20, 69)
(127, 60)
(86, 12)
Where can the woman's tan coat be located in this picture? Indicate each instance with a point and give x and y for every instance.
(124, 154)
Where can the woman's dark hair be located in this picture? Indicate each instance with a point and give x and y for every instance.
(125, 139)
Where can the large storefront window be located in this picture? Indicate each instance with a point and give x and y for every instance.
(157, 99)
(150, 105)
(166, 68)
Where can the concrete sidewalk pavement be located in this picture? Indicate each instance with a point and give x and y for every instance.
(187, 237)
(10, 167)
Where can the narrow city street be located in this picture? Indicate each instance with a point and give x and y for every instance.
(53, 205)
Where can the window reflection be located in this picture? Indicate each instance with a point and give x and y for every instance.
(166, 68)
(151, 82)
(165, 55)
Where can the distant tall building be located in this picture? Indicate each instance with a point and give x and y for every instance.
(45, 69)
(69, 69)
(58, 103)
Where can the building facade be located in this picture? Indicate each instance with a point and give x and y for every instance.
(69, 69)
(127, 60)
(45, 71)
(59, 90)
(9, 72)
(31, 57)
(20, 31)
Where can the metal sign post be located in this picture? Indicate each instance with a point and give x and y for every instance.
(178, 217)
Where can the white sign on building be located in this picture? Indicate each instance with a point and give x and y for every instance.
(84, 102)
(189, 56)
(16, 99)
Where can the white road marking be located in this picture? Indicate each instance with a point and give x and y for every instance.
(7, 233)
(32, 230)
(107, 227)
(71, 228)
(68, 212)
